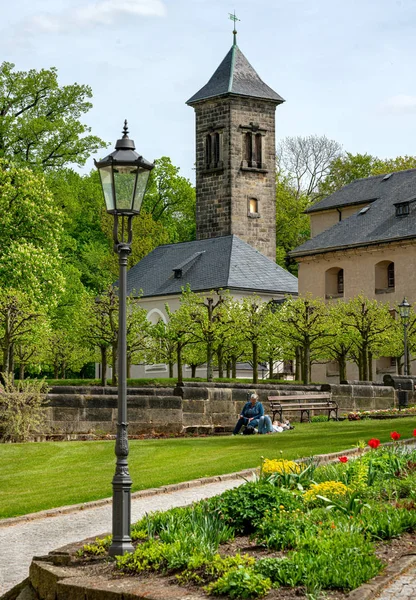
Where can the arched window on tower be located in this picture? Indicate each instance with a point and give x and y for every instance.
(258, 151)
(208, 151)
(248, 150)
(216, 149)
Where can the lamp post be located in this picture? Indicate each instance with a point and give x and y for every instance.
(404, 309)
(124, 175)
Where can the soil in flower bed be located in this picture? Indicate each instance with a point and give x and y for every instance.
(388, 552)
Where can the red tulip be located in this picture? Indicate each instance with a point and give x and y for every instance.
(395, 436)
(374, 443)
(414, 432)
(343, 459)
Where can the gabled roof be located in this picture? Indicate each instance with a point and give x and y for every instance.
(224, 262)
(236, 76)
(378, 224)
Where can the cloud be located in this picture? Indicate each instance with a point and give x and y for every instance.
(401, 104)
(103, 12)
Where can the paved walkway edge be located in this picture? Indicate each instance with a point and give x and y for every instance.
(371, 589)
(166, 489)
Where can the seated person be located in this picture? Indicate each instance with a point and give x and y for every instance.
(251, 413)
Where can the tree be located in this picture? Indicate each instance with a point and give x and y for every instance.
(305, 161)
(170, 200)
(40, 121)
(370, 325)
(30, 235)
(292, 224)
(304, 327)
(18, 316)
(254, 318)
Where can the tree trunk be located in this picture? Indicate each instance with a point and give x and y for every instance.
(128, 367)
(220, 362)
(228, 369)
(193, 371)
(234, 368)
(56, 371)
(298, 363)
(209, 361)
(255, 362)
(342, 364)
(370, 366)
(364, 362)
(271, 365)
(114, 364)
(171, 370)
(103, 351)
(179, 363)
(306, 363)
(21, 371)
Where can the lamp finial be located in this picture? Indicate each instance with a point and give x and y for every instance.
(125, 129)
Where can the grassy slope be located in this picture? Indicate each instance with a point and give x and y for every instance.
(38, 476)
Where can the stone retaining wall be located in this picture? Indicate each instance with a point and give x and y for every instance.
(193, 408)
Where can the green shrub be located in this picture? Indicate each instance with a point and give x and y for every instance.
(97, 548)
(240, 583)
(284, 530)
(22, 411)
(281, 571)
(244, 507)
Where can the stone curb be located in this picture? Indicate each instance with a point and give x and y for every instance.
(368, 590)
(174, 487)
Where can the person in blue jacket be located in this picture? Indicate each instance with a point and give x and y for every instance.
(250, 415)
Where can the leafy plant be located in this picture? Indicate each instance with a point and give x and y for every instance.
(240, 583)
(97, 548)
(22, 409)
(244, 507)
(352, 504)
(329, 489)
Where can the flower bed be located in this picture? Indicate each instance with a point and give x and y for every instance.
(300, 527)
(385, 413)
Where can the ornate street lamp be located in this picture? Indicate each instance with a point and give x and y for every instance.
(124, 175)
(404, 308)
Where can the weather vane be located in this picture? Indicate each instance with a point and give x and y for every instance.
(234, 18)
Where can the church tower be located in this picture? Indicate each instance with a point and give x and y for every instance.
(235, 155)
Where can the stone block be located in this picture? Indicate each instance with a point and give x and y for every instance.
(362, 391)
(165, 416)
(138, 414)
(165, 403)
(223, 420)
(64, 400)
(194, 406)
(218, 394)
(364, 403)
(386, 402)
(96, 414)
(92, 402)
(195, 393)
(221, 407)
(66, 414)
(137, 402)
(195, 419)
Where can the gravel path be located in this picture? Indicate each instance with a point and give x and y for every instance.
(403, 588)
(21, 541)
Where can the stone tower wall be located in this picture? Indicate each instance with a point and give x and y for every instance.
(224, 190)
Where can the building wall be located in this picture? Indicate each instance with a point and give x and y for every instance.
(224, 190)
(361, 277)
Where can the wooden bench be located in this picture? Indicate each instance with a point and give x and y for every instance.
(304, 403)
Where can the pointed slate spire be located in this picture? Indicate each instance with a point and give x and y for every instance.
(235, 76)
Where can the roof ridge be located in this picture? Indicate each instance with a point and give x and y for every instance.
(231, 80)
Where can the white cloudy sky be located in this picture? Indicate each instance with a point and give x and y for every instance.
(345, 67)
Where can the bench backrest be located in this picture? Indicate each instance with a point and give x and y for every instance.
(300, 398)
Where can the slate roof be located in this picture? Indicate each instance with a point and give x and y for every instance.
(376, 225)
(224, 262)
(235, 75)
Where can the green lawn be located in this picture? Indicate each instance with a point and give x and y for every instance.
(38, 476)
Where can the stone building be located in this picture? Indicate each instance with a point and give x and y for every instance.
(235, 247)
(363, 241)
(235, 155)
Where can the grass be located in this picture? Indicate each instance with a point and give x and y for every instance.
(38, 476)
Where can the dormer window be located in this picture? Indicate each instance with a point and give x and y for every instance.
(402, 209)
